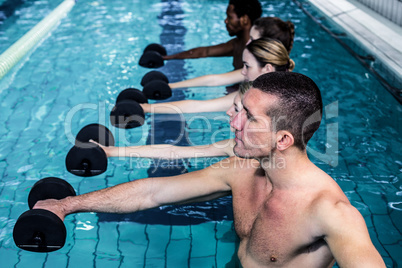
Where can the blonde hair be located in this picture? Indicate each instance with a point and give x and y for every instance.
(270, 51)
(244, 87)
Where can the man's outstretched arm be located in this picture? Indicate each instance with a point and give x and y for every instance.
(221, 50)
(146, 193)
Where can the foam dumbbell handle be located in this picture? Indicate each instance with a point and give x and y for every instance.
(96, 132)
(49, 188)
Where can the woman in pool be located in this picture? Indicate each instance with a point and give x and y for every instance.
(260, 56)
(165, 151)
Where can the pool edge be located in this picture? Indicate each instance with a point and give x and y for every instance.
(369, 28)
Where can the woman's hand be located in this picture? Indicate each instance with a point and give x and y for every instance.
(107, 149)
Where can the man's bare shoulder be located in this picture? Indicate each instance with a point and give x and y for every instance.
(328, 203)
(238, 163)
(233, 167)
(333, 209)
(333, 212)
(344, 229)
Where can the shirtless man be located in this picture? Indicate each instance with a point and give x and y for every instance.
(240, 15)
(287, 212)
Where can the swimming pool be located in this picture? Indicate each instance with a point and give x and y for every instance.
(72, 79)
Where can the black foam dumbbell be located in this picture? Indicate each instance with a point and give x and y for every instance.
(152, 76)
(156, 86)
(85, 158)
(40, 230)
(127, 112)
(132, 94)
(152, 56)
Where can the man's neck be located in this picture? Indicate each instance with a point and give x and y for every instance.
(244, 36)
(284, 169)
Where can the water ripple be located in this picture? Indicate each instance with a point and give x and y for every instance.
(395, 205)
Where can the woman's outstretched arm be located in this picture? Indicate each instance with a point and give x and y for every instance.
(191, 106)
(211, 80)
(168, 151)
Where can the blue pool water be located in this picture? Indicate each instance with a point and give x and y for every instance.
(72, 79)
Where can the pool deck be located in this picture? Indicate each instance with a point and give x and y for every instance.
(378, 35)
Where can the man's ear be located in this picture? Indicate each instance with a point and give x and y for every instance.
(268, 68)
(284, 139)
(245, 20)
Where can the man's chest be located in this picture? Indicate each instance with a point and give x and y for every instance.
(272, 229)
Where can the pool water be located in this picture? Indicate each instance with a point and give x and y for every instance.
(72, 78)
